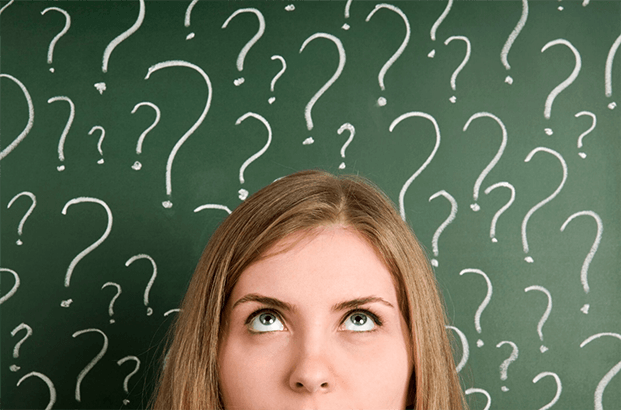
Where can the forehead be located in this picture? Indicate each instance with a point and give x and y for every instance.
(331, 264)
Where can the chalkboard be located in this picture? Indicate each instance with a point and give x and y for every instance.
(130, 130)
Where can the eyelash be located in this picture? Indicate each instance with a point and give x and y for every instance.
(374, 317)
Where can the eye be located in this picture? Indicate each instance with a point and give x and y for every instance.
(360, 321)
(264, 321)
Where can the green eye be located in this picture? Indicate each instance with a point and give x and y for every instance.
(359, 322)
(266, 321)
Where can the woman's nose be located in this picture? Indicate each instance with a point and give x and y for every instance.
(311, 369)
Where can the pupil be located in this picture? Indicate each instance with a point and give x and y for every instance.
(267, 319)
(359, 319)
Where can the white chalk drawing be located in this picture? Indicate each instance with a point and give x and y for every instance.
(559, 387)
(188, 13)
(98, 242)
(20, 227)
(492, 229)
(546, 314)
(608, 70)
(5, 6)
(14, 288)
(504, 367)
(437, 23)
(92, 363)
(601, 386)
(347, 8)
(168, 312)
(342, 58)
(147, 290)
(213, 206)
(574, 74)
(529, 259)
(427, 161)
(50, 50)
(21, 326)
(463, 63)
(464, 347)
(352, 131)
(7, 150)
(47, 381)
(173, 153)
(503, 144)
(101, 138)
(242, 54)
(133, 372)
(476, 390)
(262, 150)
(483, 305)
(514, 34)
(122, 37)
(587, 261)
(114, 298)
(442, 227)
(63, 136)
(593, 124)
(277, 76)
(380, 78)
(137, 165)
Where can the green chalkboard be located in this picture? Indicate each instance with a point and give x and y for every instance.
(508, 106)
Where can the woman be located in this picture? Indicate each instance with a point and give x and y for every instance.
(312, 294)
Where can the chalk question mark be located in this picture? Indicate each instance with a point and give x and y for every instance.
(181, 141)
(28, 329)
(213, 206)
(188, 13)
(464, 346)
(347, 7)
(601, 386)
(20, 227)
(352, 131)
(504, 367)
(593, 124)
(530, 155)
(477, 185)
(49, 384)
(461, 66)
(559, 88)
(50, 50)
(481, 391)
(242, 54)
(435, 26)
(277, 76)
(137, 165)
(381, 101)
(126, 380)
(559, 387)
(483, 305)
(546, 314)
(447, 221)
(243, 194)
(15, 285)
(5, 6)
(63, 136)
(101, 138)
(587, 261)
(492, 229)
(516, 32)
(153, 276)
(608, 71)
(90, 248)
(114, 298)
(101, 87)
(92, 363)
(7, 150)
(335, 76)
(427, 161)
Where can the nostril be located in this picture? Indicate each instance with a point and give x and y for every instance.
(324, 385)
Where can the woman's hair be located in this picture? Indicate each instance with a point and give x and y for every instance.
(304, 201)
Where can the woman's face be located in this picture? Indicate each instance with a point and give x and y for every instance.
(316, 327)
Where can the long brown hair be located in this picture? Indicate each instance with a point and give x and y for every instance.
(303, 201)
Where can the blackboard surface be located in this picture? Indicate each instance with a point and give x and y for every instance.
(433, 138)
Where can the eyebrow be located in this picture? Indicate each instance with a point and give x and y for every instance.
(273, 302)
